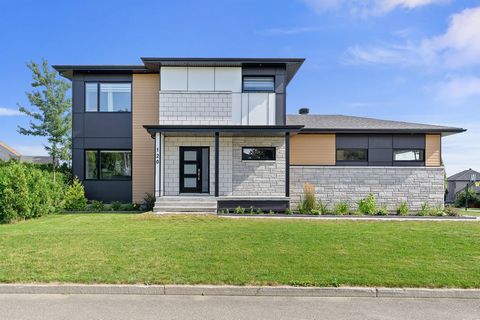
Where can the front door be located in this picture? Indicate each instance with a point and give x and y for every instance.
(194, 168)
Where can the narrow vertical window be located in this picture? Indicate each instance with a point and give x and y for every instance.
(91, 97)
(91, 164)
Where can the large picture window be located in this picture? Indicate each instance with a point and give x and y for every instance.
(352, 155)
(408, 155)
(258, 153)
(108, 97)
(108, 164)
(259, 84)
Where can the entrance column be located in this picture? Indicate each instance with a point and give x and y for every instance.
(217, 157)
(287, 164)
(158, 167)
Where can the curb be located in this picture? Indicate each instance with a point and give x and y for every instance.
(211, 290)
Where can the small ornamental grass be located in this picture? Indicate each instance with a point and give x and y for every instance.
(342, 208)
(403, 209)
(367, 205)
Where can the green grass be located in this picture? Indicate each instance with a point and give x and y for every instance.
(470, 212)
(128, 248)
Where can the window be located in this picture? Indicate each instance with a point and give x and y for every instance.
(108, 164)
(408, 155)
(258, 153)
(352, 155)
(259, 84)
(108, 97)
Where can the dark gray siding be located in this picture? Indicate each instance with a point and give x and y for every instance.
(380, 147)
(99, 130)
(280, 75)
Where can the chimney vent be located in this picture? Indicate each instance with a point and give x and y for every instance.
(303, 111)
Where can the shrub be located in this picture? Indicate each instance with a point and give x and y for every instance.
(462, 197)
(403, 209)
(116, 206)
(271, 212)
(130, 207)
(308, 204)
(424, 210)
(239, 210)
(451, 211)
(28, 192)
(288, 211)
(260, 211)
(436, 211)
(367, 205)
(251, 210)
(382, 211)
(98, 205)
(148, 202)
(322, 207)
(75, 196)
(342, 208)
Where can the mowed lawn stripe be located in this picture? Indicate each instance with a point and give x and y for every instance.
(129, 248)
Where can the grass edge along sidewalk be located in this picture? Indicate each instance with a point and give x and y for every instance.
(150, 249)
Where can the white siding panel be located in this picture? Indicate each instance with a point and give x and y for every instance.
(258, 108)
(237, 108)
(228, 79)
(173, 78)
(201, 79)
(244, 108)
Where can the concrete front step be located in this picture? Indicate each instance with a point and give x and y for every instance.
(186, 204)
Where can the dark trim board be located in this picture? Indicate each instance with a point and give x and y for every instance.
(265, 205)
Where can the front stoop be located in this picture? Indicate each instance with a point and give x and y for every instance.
(186, 204)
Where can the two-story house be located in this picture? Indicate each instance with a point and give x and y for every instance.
(203, 134)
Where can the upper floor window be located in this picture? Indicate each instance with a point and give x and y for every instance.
(408, 155)
(258, 153)
(352, 155)
(262, 84)
(108, 97)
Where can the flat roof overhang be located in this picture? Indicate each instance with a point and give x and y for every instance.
(225, 130)
(444, 132)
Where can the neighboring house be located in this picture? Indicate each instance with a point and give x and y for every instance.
(201, 134)
(458, 182)
(7, 153)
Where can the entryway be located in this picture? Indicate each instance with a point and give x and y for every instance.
(194, 169)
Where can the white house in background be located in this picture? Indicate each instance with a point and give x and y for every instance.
(7, 153)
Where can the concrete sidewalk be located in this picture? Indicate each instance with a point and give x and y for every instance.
(210, 290)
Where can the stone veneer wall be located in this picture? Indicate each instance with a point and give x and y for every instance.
(258, 178)
(199, 108)
(390, 185)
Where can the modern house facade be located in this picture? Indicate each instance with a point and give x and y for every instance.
(204, 134)
(458, 182)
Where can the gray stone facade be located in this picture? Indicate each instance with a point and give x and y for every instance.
(258, 178)
(195, 108)
(390, 185)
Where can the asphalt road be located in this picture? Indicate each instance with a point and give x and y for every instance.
(119, 307)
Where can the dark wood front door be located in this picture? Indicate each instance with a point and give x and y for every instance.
(194, 168)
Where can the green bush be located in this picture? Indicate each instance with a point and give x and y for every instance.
(130, 207)
(382, 211)
(462, 197)
(28, 192)
(322, 208)
(260, 211)
(451, 211)
(271, 212)
(98, 205)
(148, 202)
(436, 211)
(424, 210)
(75, 196)
(239, 210)
(116, 206)
(403, 209)
(288, 211)
(367, 205)
(342, 208)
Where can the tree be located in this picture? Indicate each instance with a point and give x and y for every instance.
(53, 117)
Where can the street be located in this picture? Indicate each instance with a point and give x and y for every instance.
(119, 307)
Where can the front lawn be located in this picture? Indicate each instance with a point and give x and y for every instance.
(128, 248)
(469, 212)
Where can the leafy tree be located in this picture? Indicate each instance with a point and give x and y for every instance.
(52, 117)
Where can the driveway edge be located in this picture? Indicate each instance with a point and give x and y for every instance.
(211, 290)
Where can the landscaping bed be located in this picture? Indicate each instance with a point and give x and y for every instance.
(155, 249)
(386, 217)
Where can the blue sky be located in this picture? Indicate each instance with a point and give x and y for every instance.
(412, 60)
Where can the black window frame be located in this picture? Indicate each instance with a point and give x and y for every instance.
(351, 149)
(274, 154)
(257, 76)
(409, 149)
(98, 164)
(98, 96)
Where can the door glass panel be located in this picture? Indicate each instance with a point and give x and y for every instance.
(190, 182)
(190, 155)
(190, 168)
(205, 169)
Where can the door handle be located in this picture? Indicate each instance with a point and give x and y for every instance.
(198, 174)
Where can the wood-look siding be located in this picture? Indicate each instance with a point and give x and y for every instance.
(312, 149)
(145, 110)
(433, 150)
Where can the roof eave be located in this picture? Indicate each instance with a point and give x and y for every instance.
(443, 132)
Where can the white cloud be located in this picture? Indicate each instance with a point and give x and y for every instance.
(458, 47)
(9, 112)
(288, 31)
(369, 7)
(460, 87)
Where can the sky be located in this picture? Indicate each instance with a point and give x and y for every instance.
(409, 60)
